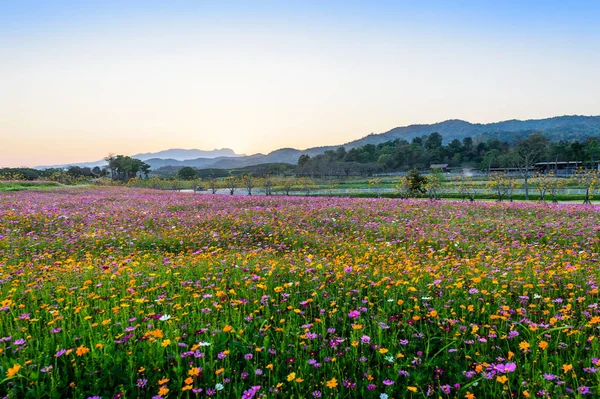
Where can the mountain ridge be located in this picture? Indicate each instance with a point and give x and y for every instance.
(571, 127)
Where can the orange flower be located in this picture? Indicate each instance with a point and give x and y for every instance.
(502, 379)
(163, 391)
(543, 345)
(227, 328)
(524, 345)
(332, 383)
(13, 370)
(82, 350)
(194, 372)
(291, 376)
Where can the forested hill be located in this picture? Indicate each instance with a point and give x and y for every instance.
(558, 128)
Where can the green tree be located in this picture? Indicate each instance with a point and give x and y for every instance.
(187, 173)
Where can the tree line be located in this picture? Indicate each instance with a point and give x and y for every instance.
(421, 152)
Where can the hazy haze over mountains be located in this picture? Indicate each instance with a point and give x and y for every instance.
(557, 128)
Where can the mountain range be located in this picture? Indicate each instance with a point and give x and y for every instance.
(573, 127)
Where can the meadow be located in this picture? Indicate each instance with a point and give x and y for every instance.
(124, 293)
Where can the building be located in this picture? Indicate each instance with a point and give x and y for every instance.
(441, 166)
(563, 167)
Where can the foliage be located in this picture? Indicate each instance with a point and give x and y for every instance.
(124, 168)
(187, 173)
(416, 182)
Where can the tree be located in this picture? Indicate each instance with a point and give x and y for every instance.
(416, 182)
(526, 154)
(306, 183)
(374, 184)
(197, 185)
(288, 184)
(231, 183)
(433, 184)
(303, 160)
(402, 187)
(502, 184)
(590, 180)
(124, 168)
(268, 183)
(213, 184)
(466, 188)
(249, 182)
(187, 173)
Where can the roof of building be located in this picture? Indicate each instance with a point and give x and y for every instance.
(438, 166)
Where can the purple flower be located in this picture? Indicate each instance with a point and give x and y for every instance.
(354, 314)
(316, 394)
(141, 383)
(388, 382)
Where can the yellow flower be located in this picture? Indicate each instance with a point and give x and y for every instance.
(163, 391)
(567, 367)
(166, 342)
(82, 350)
(332, 383)
(194, 372)
(13, 370)
(412, 389)
(186, 387)
(291, 376)
(278, 289)
(163, 381)
(502, 379)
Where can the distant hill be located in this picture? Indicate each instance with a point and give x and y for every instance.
(558, 128)
(182, 154)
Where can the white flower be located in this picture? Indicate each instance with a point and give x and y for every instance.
(383, 396)
(390, 359)
(204, 343)
(219, 387)
(165, 317)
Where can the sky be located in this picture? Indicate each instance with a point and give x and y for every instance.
(81, 79)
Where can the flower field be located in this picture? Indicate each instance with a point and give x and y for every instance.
(131, 293)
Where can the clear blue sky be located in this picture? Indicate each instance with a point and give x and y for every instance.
(80, 79)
